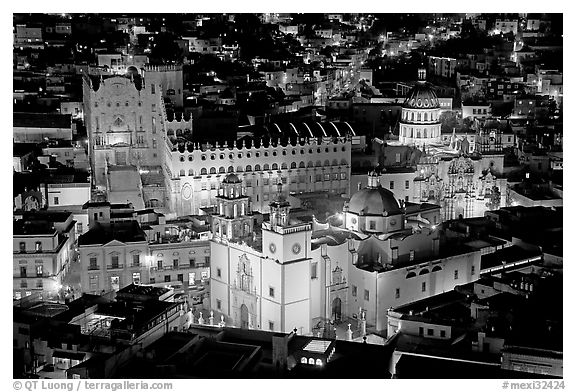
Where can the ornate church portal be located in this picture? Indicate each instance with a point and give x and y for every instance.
(243, 293)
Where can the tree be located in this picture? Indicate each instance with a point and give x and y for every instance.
(449, 120)
(494, 200)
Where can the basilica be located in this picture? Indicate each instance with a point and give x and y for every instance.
(290, 274)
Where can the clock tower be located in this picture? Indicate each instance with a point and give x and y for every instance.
(283, 239)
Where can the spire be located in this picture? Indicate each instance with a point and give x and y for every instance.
(279, 208)
(453, 139)
(279, 184)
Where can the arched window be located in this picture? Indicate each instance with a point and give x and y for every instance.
(419, 117)
(203, 171)
(343, 162)
(302, 164)
(221, 169)
(412, 116)
(425, 133)
(310, 164)
(230, 169)
(266, 166)
(284, 166)
(326, 162)
(212, 170)
(293, 165)
(318, 362)
(335, 162)
(248, 168)
(425, 116)
(310, 361)
(318, 164)
(182, 173)
(424, 271)
(418, 134)
(190, 172)
(436, 268)
(257, 168)
(239, 169)
(410, 275)
(303, 360)
(274, 166)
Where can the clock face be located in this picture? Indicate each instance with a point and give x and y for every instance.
(272, 247)
(296, 248)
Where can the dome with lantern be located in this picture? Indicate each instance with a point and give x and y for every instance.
(422, 96)
(231, 178)
(373, 209)
(374, 200)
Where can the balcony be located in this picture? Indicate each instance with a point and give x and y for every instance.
(93, 267)
(114, 266)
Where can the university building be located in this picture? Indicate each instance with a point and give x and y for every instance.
(132, 143)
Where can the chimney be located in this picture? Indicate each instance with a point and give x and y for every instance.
(481, 336)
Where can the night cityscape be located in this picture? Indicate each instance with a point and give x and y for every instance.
(287, 195)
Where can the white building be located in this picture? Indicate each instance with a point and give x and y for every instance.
(305, 166)
(43, 248)
(300, 275)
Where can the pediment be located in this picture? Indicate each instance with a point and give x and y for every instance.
(115, 243)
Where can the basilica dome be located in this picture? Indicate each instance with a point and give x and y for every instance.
(231, 179)
(422, 96)
(374, 201)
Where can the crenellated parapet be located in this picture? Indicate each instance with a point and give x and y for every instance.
(163, 68)
(257, 145)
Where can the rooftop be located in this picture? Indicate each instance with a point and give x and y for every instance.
(101, 234)
(42, 120)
